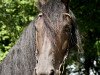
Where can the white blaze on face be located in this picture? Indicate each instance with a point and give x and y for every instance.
(44, 64)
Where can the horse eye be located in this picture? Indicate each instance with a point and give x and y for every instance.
(40, 15)
(36, 61)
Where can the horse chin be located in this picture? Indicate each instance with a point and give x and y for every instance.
(56, 72)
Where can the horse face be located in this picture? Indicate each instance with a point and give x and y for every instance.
(53, 34)
(52, 44)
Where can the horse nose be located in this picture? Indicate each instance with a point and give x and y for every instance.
(43, 73)
(51, 72)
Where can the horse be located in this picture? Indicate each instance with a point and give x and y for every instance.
(55, 35)
(45, 43)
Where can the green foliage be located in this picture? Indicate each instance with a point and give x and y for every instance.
(97, 46)
(14, 16)
(5, 41)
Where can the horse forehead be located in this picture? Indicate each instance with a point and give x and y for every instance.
(50, 21)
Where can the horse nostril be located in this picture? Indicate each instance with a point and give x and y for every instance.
(52, 72)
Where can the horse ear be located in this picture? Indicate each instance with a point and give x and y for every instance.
(66, 3)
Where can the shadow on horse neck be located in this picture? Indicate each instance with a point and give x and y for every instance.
(55, 36)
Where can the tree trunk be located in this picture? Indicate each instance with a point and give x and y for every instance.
(21, 58)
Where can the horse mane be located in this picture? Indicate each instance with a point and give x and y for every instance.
(21, 58)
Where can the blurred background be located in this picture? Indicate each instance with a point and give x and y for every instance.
(15, 15)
